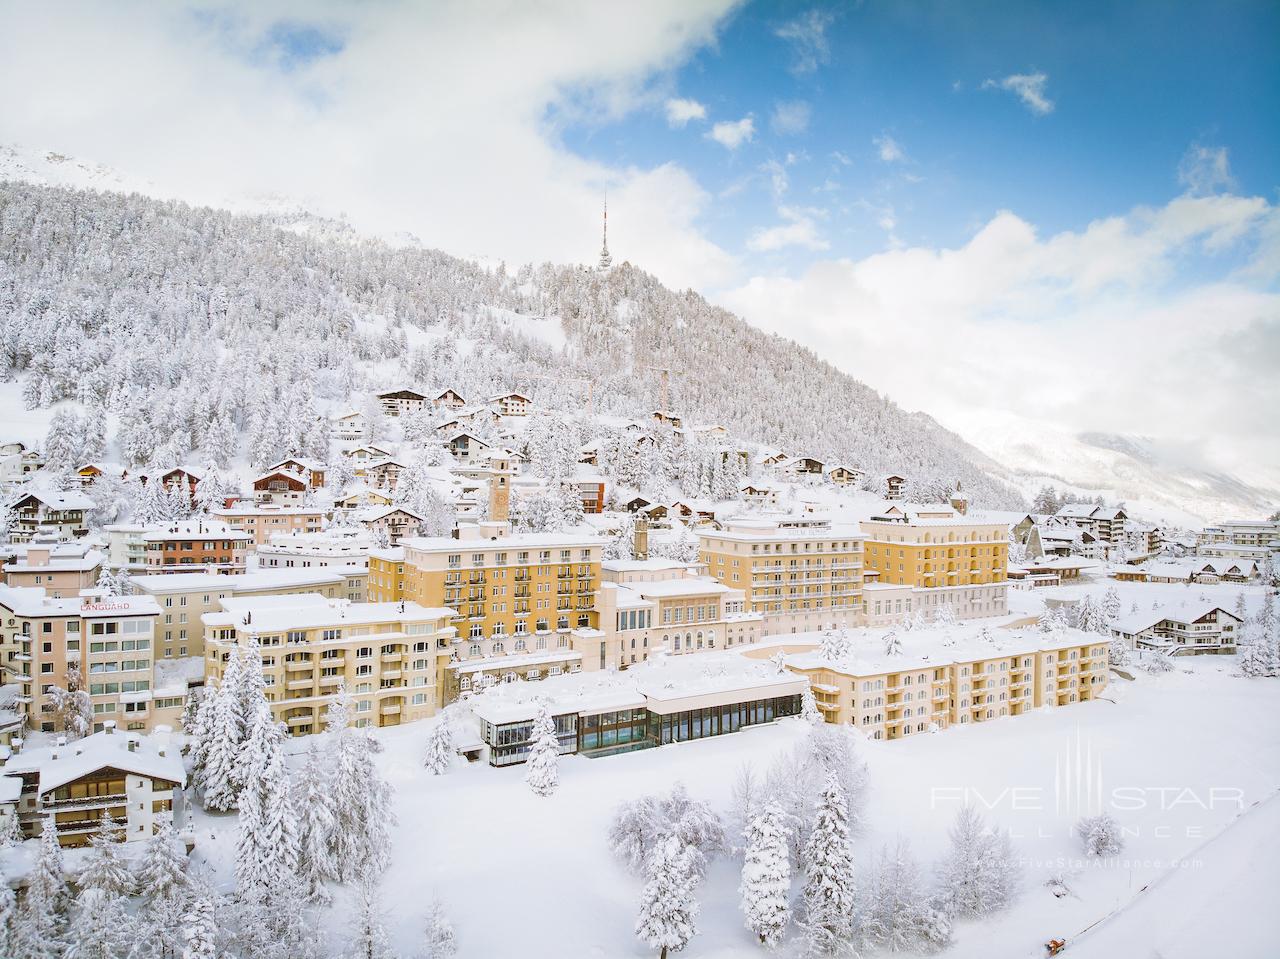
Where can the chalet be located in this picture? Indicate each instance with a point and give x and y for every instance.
(1107, 523)
(18, 463)
(92, 472)
(175, 478)
(366, 454)
(845, 475)
(65, 512)
(1209, 571)
(759, 494)
(709, 430)
(402, 402)
(359, 496)
(802, 466)
(395, 521)
(464, 446)
(448, 400)
(655, 511)
(667, 418)
(311, 470)
(280, 486)
(773, 459)
(895, 487)
(350, 427)
(636, 504)
(511, 404)
(1187, 629)
(384, 474)
(129, 779)
(589, 454)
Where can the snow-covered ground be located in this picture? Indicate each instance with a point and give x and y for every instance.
(1177, 757)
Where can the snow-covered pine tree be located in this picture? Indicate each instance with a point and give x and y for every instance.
(164, 890)
(361, 798)
(979, 874)
(829, 889)
(1111, 605)
(101, 927)
(439, 751)
(199, 929)
(667, 908)
(543, 772)
(897, 916)
(267, 846)
(1089, 617)
(8, 920)
(893, 643)
(222, 752)
(369, 938)
(313, 796)
(1101, 835)
(41, 927)
(809, 708)
(766, 875)
(438, 939)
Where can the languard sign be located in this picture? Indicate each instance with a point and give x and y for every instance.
(103, 607)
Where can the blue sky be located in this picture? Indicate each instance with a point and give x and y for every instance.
(1133, 86)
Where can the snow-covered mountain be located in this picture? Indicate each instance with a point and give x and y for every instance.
(567, 323)
(1158, 483)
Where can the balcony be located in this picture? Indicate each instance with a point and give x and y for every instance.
(83, 802)
(331, 680)
(299, 666)
(391, 674)
(392, 657)
(299, 684)
(389, 709)
(301, 719)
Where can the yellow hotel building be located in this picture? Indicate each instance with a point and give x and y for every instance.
(927, 685)
(918, 559)
(800, 573)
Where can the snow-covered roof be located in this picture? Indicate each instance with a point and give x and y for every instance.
(54, 499)
(671, 588)
(1184, 613)
(260, 578)
(191, 529)
(273, 614)
(153, 756)
(173, 677)
(374, 513)
(564, 540)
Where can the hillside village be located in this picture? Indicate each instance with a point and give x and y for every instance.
(404, 535)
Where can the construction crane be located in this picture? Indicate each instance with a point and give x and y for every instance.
(666, 382)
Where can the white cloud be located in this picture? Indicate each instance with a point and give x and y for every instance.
(790, 117)
(1203, 170)
(733, 133)
(890, 150)
(680, 111)
(800, 229)
(1000, 324)
(807, 37)
(779, 181)
(419, 118)
(1028, 87)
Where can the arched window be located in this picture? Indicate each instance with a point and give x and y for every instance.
(520, 646)
(497, 648)
(473, 649)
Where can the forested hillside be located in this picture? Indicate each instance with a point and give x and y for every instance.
(197, 330)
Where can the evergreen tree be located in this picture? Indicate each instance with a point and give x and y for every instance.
(766, 875)
(267, 847)
(439, 752)
(200, 927)
(1111, 605)
(164, 891)
(220, 756)
(542, 773)
(829, 881)
(41, 928)
(809, 708)
(979, 874)
(438, 940)
(667, 907)
(897, 915)
(8, 920)
(369, 940)
(314, 795)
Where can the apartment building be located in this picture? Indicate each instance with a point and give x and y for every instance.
(975, 679)
(511, 404)
(800, 573)
(132, 780)
(195, 544)
(923, 558)
(1107, 523)
(261, 522)
(61, 567)
(386, 575)
(1184, 630)
(389, 656)
(184, 597)
(402, 402)
(1242, 532)
(393, 522)
(345, 547)
(110, 641)
(61, 511)
(664, 606)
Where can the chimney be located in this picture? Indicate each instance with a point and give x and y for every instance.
(62, 740)
(133, 745)
(641, 545)
(16, 745)
(109, 726)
